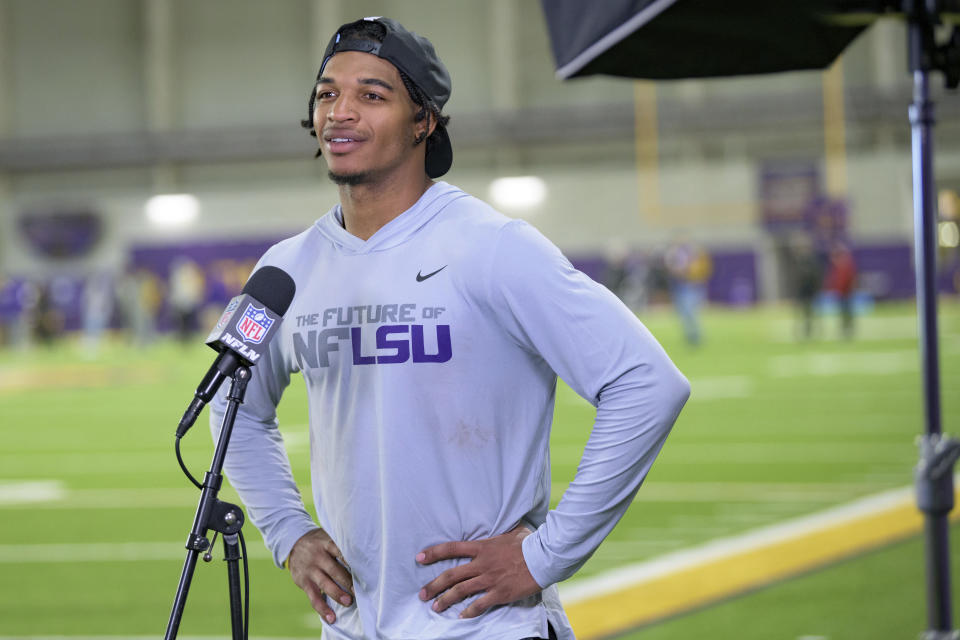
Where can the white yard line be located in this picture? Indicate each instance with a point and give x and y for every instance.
(867, 327)
(86, 463)
(741, 491)
(105, 552)
(721, 388)
(17, 493)
(764, 453)
(789, 452)
(53, 494)
(837, 364)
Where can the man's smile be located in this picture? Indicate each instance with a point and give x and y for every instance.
(342, 141)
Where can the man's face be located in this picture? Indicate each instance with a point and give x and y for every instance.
(364, 119)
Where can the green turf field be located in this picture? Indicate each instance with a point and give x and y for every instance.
(94, 509)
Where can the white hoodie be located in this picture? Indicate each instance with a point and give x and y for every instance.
(430, 353)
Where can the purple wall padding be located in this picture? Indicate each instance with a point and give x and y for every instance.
(594, 266)
(734, 280)
(159, 258)
(885, 270)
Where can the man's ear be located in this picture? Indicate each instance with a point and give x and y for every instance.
(431, 125)
(424, 126)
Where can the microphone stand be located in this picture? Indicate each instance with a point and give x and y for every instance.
(938, 453)
(221, 517)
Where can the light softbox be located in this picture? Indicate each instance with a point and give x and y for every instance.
(666, 39)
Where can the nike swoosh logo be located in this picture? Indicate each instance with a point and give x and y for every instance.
(421, 278)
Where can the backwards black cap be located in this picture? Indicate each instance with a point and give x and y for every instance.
(415, 56)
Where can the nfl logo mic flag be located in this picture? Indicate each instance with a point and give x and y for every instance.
(245, 333)
(254, 324)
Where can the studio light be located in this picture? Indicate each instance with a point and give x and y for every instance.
(172, 210)
(518, 192)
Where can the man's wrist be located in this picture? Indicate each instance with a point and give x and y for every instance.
(289, 540)
(535, 557)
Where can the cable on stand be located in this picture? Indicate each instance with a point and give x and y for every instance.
(220, 517)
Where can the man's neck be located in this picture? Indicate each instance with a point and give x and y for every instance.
(368, 207)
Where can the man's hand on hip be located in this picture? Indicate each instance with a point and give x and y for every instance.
(317, 567)
(497, 567)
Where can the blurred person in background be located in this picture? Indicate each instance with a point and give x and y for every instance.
(9, 309)
(97, 302)
(657, 281)
(626, 275)
(807, 277)
(841, 280)
(186, 295)
(224, 278)
(430, 330)
(689, 268)
(617, 273)
(45, 318)
(24, 300)
(141, 296)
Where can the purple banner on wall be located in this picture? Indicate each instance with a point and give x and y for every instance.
(734, 280)
(786, 191)
(885, 271)
(948, 275)
(223, 266)
(226, 265)
(59, 232)
(160, 258)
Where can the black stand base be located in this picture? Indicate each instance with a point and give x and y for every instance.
(935, 498)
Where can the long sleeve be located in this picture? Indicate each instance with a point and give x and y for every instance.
(257, 465)
(594, 343)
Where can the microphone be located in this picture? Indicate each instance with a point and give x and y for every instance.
(242, 334)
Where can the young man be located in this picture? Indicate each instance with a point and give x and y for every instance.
(430, 331)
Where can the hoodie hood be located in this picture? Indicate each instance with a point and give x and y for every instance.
(395, 232)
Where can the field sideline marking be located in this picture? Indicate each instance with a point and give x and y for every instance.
(639, 594)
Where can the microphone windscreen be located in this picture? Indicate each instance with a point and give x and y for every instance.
(273, 287)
